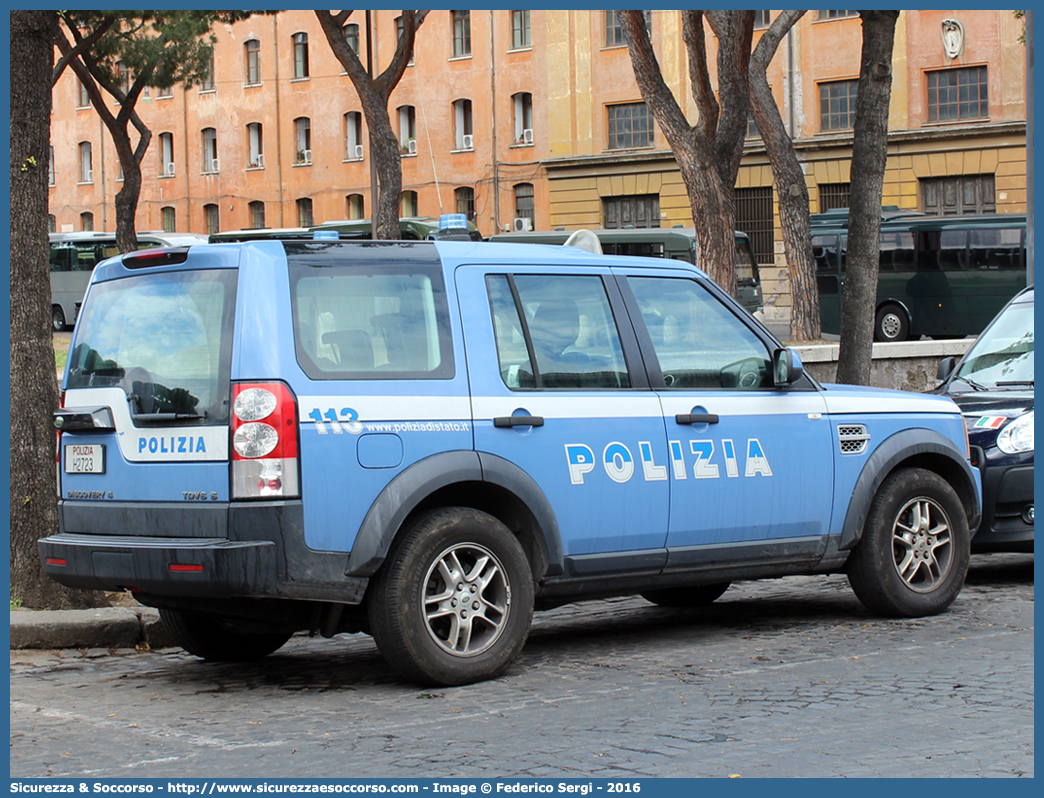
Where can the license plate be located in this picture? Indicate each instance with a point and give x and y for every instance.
(85, 458)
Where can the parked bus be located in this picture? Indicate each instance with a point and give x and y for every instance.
(940, 276)
(678, 243)
(74, 256)
(414, 228)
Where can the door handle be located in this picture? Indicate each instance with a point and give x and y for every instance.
(518, 421)
(696, 418)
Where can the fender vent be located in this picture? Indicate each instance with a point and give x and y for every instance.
(853, 438)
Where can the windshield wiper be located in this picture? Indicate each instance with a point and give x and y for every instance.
(157, 418)
(1016, 382)
(975, 386)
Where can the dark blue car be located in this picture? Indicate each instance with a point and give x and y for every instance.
(993, 385)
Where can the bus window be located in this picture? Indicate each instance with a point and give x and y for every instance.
(61, 259)
(995, 249)
(824, 252)
(944, 250)
(86, 258)
(897, 252)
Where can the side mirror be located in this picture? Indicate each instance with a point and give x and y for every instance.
(786, 368)
(946, 367)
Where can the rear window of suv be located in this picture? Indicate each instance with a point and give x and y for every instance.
(357, 316)
(166, 339)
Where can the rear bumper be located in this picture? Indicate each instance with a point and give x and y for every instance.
(254, 550)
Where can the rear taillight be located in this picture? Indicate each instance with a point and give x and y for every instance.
(264, 441)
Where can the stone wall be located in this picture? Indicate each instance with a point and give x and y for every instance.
(907, 366)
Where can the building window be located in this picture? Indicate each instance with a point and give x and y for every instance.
(86, 164)
(52, 223)
(837, 104)
(465, 198)
(356, 206)
(523, 103)
(520, 30)
(50, 167)
(166, 154)
(302, 141)
(408, 207)
(638, 210)
(300, 56)
(835, 14)
(762, 18)
(123, 77)
(947, 196)
(87, 221)
(210, 214)
(461, 33)
(207, 83)
(210, 158)
(629, 126)
(304, 212)
(164, 92)
(463, 138)
(256, 143)
(83, 99)
(754, 217)
(956, 94)
(253, 61)
(752, 127)
(524, 202)
(833, 195)
(614, 35)
(351, 36)
(257, 214)
(169, 219)
(407, 130)
(353, 146)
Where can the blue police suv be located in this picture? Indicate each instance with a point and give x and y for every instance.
(427, 441)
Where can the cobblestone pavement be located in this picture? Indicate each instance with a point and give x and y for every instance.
(780, 678)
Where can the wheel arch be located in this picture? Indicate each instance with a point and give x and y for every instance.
(462, 479)
(916, 448)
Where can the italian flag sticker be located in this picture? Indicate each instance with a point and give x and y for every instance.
(990, 422)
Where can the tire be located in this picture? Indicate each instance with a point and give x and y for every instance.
(694, 596)
(891, 324)
(913, 556)
(57, 318)
(453, 602)
(206, 637)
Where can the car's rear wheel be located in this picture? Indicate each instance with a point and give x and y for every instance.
(913, 556)
(454, 600)
(205, 636)
(695, 596)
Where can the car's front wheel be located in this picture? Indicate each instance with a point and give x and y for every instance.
(454, 600)
(913, 556)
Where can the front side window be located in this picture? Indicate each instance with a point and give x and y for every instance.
(630, 126)
(556, 331)
(461, 33)
(300, 56)
(837, 104)
(370, 320)
(165, 339)
(520, 30)
(958, 94)
(698, 341)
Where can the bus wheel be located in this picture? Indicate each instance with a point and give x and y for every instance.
(891, 324)
(57, 318)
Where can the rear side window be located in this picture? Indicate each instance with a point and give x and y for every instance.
(166, 339)
(370, 320)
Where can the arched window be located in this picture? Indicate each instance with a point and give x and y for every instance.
(86, 164)
(408, 207)
(257, 214)
(353, 144)
(465, 198)
(256, 143)
(463, 138)
(211, 216)
(356, 206)
(300, 56)
(304, 212)
(87, 221)
(169, 219)
(252, 48)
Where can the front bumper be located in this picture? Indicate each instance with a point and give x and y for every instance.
(1007, 519)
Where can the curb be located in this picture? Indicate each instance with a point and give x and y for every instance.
(104, 627)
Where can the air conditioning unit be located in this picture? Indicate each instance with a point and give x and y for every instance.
(527, 136)
(412, 146)
(307, 156)
(212, 165)
(168, 169)
(259, 161)
(90, 176)
(468, 142)
(521, 224)
(359, 151)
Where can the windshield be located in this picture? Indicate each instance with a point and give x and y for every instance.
(166, 339)
(1003, 355)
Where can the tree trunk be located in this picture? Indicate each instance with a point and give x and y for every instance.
(791, 188)
(34, 389)
(869, 154)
